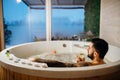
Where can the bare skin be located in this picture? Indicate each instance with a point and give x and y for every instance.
(94, 55)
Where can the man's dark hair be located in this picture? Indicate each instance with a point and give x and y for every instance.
(101, 46)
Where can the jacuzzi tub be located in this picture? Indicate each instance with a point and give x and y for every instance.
(11, 70)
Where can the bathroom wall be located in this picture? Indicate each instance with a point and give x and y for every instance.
(110, 21)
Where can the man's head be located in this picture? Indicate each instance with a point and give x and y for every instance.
(98, 46)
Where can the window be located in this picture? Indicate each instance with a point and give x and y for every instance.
(24, 24)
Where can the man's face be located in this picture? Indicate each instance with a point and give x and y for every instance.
(91, 51)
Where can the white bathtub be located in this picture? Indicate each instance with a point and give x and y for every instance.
(26, 50)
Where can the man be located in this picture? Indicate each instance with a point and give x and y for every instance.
(96, 51)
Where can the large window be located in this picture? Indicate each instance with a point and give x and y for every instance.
(23, 24)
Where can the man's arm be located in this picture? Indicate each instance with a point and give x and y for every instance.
(54, 63)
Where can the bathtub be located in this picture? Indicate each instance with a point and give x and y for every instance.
(11, 70)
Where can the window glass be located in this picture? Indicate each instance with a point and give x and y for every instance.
(67, 23)
(21, 24)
